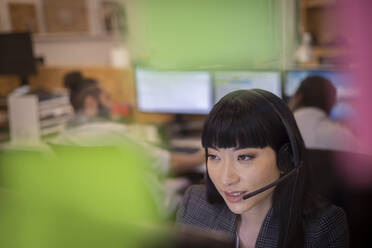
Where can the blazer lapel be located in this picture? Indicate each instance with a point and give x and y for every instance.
(269, 232)
(226, 221)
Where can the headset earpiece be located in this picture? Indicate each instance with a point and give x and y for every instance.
(285, 159)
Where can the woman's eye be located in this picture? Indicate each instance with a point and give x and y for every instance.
(213, 157)
(245, 157)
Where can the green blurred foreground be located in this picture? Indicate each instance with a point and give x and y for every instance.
(83, 197)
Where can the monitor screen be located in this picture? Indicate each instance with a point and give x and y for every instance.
(16, 54)
(173, 92)
(347, 91)
(226, 82)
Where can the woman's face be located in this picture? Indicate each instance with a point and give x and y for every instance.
(236, 172)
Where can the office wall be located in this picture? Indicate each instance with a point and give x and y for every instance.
(94, 48)
(95, 26)
(75, 50)
(211, 34)
(5, 23)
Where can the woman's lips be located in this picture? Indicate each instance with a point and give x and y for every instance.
(234, 196)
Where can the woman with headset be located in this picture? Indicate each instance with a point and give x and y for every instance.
(258, 186)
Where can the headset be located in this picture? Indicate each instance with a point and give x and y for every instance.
(288, 153)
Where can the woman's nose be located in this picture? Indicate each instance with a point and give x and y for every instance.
(228, 175)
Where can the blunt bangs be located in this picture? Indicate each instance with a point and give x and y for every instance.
(243, 120)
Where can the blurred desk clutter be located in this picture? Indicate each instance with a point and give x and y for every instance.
(36, 114)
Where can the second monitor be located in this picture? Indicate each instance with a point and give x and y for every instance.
(226, 82)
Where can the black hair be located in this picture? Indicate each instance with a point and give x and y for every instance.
(91, 88)
(247, 118)
(80, 88)
(317, 91)
(72, 80)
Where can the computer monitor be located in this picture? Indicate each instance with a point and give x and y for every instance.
(226, 82)
(173, 91)
(343, 81)
(16, 55)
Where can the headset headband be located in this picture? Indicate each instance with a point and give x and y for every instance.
(291, 138)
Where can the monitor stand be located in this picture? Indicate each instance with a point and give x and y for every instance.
(186, 127)
(180, 123)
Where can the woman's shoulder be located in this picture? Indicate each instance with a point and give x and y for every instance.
(329, 215)
(329, 226)
(195, 205)
(196, 211)
(196, 193)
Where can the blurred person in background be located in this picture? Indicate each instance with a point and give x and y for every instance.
(92, 106)
(92, 126)
(89, 100)
(311, 105)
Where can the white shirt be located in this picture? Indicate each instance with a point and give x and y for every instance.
(110, 133)
(319, 132)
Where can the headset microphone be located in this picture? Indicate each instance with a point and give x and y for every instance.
(281, 179)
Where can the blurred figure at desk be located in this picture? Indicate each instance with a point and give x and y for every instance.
(92, 106)
(312, 104)
(90, 102)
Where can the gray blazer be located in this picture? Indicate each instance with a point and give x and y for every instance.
(329, 229)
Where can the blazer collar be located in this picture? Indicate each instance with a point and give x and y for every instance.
(227, 221)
